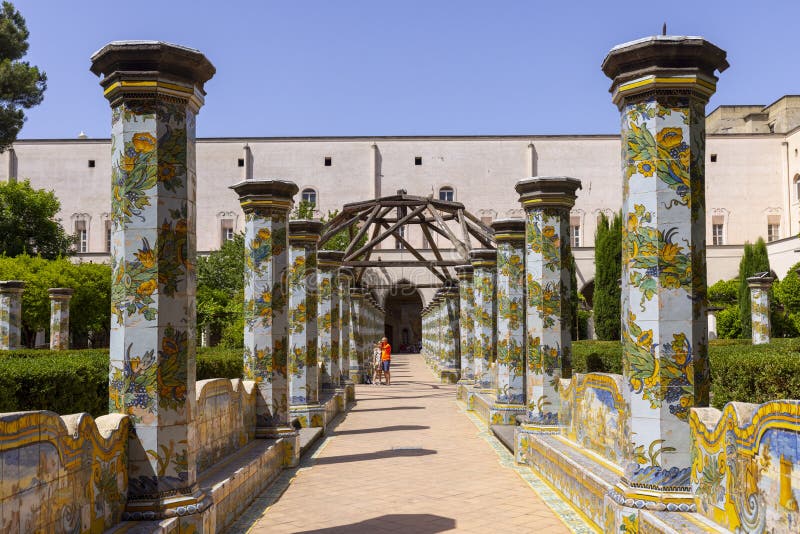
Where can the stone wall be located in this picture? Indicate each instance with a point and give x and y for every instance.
(746, 465)
(226, 418)
(62, 474)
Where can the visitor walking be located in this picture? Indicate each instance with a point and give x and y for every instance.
(386, 360)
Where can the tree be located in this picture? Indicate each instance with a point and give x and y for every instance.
(220, 291)
(22, 86)
(608, 269)
(754, 260)
(28, 224)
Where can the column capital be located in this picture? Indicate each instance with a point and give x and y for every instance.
(760, 282)
(304, 230)
(64, 293)
(12, 286)
(548, 191)
(330, 258)
(254, 194)
(464, 272)
(145, 69)
(509, 229)
(483, 257)
(664, 63)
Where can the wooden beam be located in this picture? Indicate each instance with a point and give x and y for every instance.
(485, 239)
(479, 223)
(464, 229)
(414, 252)
(401, 263)
(461, 247)
(363, 230)
(376, 228)
(334, 228)
(381, 237)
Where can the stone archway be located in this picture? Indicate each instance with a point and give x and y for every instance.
(403, 319)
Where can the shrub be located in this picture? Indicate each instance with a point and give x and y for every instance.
(597, 357)
(77, 380)
(729, 325)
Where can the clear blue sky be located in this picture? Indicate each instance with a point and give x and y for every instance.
(403, 67)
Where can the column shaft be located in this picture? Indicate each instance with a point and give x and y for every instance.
(466, 321)
(329, 320)
(59, 317)
(11, 314)
(484, 263)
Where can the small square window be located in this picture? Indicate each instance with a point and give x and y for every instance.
(240, 162)
(328, 161)
(418, 160)
(91, 164)
(713, 158)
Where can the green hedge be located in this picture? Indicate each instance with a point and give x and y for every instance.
(77, 380)
(739, 371)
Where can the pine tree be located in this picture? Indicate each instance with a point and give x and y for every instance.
(21, 85)
(608, 269)
(754, 260)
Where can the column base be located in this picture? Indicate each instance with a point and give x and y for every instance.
(350, 391)
(505, 414)
(166, 505)
(308, 415)
(449, 376)
(355, 376)
(463, 387)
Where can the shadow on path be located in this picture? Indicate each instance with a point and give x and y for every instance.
(379, 455)
(392, 428)
(390, 408)
(416, 523)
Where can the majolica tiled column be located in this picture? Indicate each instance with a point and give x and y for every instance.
(661, 86)
(466, 322)
(155, 91)
(451, 366)
(59, 317)
(484, 264)
(11, 314)
(266, 205)
(356, 332)
(510, 238)
(759, 308)
(329, 320)
(303, 372)
(547, 201)
(345, 281)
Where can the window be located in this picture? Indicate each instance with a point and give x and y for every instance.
(716, 234)
(713, 158)
(773, 232)
(575, 231)
(486, 219)
(447, 193)
(797, 187)
(91, 164)
(328, 161)
(309, 195)
(108, 236)
(418, 160)
(240, 162)
(226, 230)
(81, 236)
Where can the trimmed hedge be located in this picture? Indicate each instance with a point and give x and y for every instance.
(77, 380)
(739, 371)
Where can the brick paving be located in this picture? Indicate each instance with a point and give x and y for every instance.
(404, 459)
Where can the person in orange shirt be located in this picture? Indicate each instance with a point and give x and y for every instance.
(386, 359)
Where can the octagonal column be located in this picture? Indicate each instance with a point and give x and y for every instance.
(266, 205)
(59, 317)
(661, 86)
(303, 372)
(510, 237)
(466, 327)
(356, 332)
(547, 201)
(345, 280)
(329, 320)
(11, 314)
(155, 91)
(759, 308)
(451, 364)
(484, 264)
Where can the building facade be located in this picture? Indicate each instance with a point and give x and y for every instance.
(752, 180)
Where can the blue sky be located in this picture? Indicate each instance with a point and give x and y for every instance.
(410, 67)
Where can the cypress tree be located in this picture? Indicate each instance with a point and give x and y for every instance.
(754, 260)
(608, 269)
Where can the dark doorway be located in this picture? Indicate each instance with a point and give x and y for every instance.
(403, 325)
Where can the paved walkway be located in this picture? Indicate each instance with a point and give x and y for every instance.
(405, 459)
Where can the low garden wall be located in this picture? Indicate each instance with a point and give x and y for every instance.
(226, 418)
(62, 474)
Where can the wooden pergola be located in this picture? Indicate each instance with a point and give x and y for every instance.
(386, 217)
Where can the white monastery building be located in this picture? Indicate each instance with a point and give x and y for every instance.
(752, 180)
